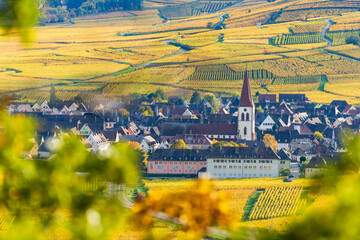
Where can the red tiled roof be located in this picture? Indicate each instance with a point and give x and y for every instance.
(246, 98)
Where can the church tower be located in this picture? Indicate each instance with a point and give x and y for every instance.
(246, 118)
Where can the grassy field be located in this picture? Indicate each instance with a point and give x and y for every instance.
(129, 52)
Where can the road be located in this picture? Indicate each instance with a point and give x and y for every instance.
(323, 33)
(294, 169)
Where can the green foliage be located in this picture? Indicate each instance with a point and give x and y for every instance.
(195, 98)
(158, 94)
(146, 110)
(19, 15)
(219, 144)
(209, 97)
(302, 169)
(353, 40)
(179, 144)
(53, 97)
(285, 172)
(36, 191)
(123, 112)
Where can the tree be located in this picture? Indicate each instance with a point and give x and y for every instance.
(195, 98)
(353, 40)
(213, 101)
(19, 15)
(274, 127)
(259, 109)
(123, 112)
(34, 192)
(158, 94)
(210, 25)
(318, 135)
(302, 159)
(147, 111)
(285, 172)
(53, 97)
(271, 142)
(179, 144)
(218, 144)
(302, 169)
(79, 99)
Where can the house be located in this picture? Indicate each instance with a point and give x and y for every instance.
(98, 142)
(193, 141)
(292, 98)
(316, 166)
(147, 143)
(245, 162)
(176, 162)
(267, 124)
(267, 98)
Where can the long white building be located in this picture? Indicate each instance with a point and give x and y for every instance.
(245, 162)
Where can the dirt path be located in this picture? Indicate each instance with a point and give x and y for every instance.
(325, 29)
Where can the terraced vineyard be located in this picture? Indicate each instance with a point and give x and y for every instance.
(297, 39)
(193, 9)
(223, 72)
(339, 38)
(278, 202)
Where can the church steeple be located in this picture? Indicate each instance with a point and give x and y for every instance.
(246, 112)
(246, 99)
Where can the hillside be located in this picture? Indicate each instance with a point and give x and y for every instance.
(288, 46)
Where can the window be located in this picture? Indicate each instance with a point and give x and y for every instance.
(250, 167)
(254, 167)
(247, 117)
(269, 167)
(245, 167)
(242, 117)
(245, 130)
(265, 167)
(230, 167)
(261, 167)
(215, 166)
(224, 166)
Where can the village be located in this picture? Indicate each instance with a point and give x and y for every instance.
(284, 135)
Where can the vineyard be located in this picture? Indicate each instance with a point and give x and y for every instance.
(308, 28)
(297, 39)
(5, 221)
(297, 80)
(278, 202)
(339, 38)
(223, 72)
(193, 9)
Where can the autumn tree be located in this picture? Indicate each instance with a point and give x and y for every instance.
(179, 144)
(318, 135)
(271, 142)
(123, 112)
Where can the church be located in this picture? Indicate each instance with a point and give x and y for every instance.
(244, 129)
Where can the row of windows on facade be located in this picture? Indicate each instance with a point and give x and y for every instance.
(171, 158)
(178, 171)
(245, 167)
(179, 163)
(221, 136)
(239, 161)
(239, 175)
(194, 141)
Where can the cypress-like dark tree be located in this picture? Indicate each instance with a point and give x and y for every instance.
(53, 97)
(195, 98)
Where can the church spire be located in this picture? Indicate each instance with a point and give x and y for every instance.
(246, 99)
